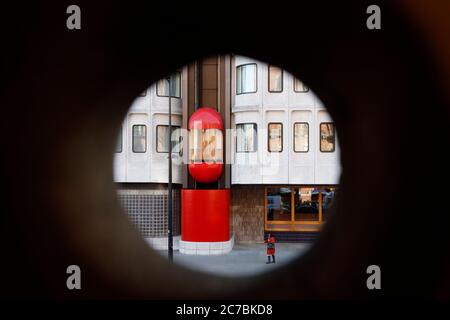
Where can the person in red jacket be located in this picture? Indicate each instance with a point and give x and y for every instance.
(270, 248)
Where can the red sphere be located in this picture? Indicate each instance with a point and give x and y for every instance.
(210, 169)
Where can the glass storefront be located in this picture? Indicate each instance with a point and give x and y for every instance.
(303, 208)
(278, 204)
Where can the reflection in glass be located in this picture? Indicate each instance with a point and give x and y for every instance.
(206, 145)
(162, 139)
(279, 204)
(119, 142)
(301, 137)
(162, 86)
(246, 140)
(306, 203)
(328, 196)
(327, 137)
(275, 137)
(195, 145)
(139, 138)
(275, 79)
(246, 78)
(299, 86)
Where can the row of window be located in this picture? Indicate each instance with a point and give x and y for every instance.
(139, 139)
(246, 82)
(246, 137)
(247, 75)
(162, 87)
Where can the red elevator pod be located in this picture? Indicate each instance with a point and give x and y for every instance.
(206, 145)
(205, 215)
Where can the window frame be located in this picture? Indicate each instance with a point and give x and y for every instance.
(121, 141)
(293, 137)
(334, 137)
(268, 137)
(166, 96)
(268, 79)
(156, 135)
(296, 91)
(132, 138)
(255, 128)
(256, 78)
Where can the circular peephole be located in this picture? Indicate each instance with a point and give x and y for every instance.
(254, 169)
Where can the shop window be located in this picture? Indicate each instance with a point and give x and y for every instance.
(327, 137)
(328, 196)
(139, 138)
(246, 76)
(306, 204)
(298, 208)
(278, 204)
(275, 79)
(162, 86)
(275, 138)
(301, 137)
(246, 138)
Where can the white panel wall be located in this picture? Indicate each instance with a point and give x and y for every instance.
(274, 165)
(301, 164)
(138, 164)
(272, 99)
(327, 163)
(246, 168)
(248, 100)
(160, 161)
(150, 110)
(287, 107)
(120, 159)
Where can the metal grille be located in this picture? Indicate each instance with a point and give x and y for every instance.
(147, 210)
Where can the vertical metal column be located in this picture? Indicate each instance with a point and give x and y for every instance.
(169, 205)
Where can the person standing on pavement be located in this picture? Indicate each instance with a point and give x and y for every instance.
(270, 248)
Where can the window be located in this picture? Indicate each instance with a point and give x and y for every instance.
(162, 139)
(246, 78)
(327, 137)
(306, 204)
(299, 86)
(275, 137)
(275, 79)
(162, 86)
(301, 137)
(139, 138)
(143, 93)
(328, 196)
(119, 142)
(297, 208)
(246, 137)
(279, 204)
(206, 145)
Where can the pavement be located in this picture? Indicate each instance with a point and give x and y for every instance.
(243, 260)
